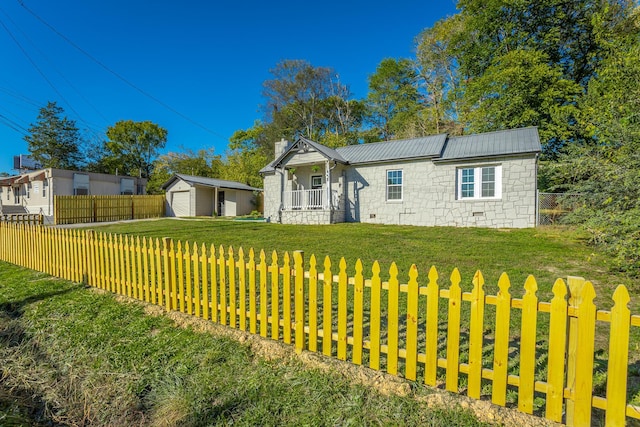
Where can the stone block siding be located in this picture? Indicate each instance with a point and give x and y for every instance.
(429, 195)
(312, 217)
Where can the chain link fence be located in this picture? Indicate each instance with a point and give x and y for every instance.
(553, 206)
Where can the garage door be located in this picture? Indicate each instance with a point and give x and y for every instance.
(180, 203)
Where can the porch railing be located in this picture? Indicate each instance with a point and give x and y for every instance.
(305, 199)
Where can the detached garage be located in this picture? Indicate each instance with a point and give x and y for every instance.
(189, 195)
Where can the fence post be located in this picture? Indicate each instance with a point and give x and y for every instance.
(575, 287)
(298, 260)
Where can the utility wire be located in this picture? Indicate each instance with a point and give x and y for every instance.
(142, 91)
(54, 68)
(37, 68)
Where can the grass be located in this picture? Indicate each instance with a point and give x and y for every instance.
(75, 356)
(548, 253)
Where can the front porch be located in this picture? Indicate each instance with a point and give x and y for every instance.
(315, 206)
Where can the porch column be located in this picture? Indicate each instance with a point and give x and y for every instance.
(215, 202)
(327, 180)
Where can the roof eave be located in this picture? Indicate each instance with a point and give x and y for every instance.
(488, 157)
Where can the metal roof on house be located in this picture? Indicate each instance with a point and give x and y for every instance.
(210, 182)
(427, 146)
(436, 147)
(492, 144)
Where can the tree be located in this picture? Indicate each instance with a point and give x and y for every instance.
(606, 170)
(521, 89)
(132, 147)
(393, 98)
(201, 163)
(246, 156)
(437, 59)
(53, 141)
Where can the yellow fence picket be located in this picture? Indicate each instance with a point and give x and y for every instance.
(275, 296)
(476, 331)
(188, 288)
(179, 256)
(231, 268)
(204, 271)
(618, 359)
(411, 360)
(431, 344)
(298, 262)
(453, 332)
(222, 283)
(195, 259)
(262, 269)
(528, 346)
(358, 303)
(584, 356)
(501, 345)
(392, 321)
(213, 265)
(313, 304)
(242, 289)
(374, 333)
(327, 329)
(286, 298)
(557, 351)
(342, 310)
(252, 293)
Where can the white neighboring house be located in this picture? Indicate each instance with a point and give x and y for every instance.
(483, 180)
(189, 195)
(33, 192)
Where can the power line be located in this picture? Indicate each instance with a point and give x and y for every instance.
(54, 68)
(37, 68)
(101, 64)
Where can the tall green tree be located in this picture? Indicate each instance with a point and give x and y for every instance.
(54, 140)
(246, 157)
(606, 170)
(521, 89)
(437, 60)
(132, 147)
(393, 98)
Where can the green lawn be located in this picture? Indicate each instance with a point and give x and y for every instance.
(548, 253)
(74, 356)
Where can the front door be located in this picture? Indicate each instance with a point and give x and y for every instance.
(221, 203)
(16, 195)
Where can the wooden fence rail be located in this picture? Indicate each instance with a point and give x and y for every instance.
(416, 329)
(83, 209)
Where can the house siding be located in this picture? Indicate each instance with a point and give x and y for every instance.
(203, 201)
(429, 195)
(60, 183)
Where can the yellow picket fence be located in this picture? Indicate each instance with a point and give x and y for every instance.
(83, 209)
(415, 329)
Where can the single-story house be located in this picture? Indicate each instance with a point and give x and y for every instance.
(484, 180)
(189, 195)
(34, 191)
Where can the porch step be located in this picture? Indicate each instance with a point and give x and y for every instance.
(13, 210)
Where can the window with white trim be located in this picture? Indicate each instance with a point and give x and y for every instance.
(394, 184)
(483, 182)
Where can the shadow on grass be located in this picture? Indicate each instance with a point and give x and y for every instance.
(21, 405)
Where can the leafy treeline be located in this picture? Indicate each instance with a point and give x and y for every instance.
(571, 68)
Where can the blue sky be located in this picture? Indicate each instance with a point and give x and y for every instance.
(204, 59)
